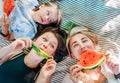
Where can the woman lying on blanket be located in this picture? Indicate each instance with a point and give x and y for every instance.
(79, 40)
(16, 65)
(27, 15)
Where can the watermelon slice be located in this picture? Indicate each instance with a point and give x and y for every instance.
(8, 6)
(42, 53)
(90, 59)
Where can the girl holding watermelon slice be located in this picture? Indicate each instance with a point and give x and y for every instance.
(17, 63)
(82, 45)
(25, 16)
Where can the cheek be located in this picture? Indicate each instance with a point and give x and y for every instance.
(38, 42)
(91, 46)
(50, 52)
(36, 14)
(39, 12)
(75, 53)
(56, 18)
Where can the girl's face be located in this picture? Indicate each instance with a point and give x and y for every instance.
(80, 43)
(45, 15)
(47, 42)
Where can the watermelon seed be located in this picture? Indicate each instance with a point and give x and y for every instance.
(84, 61)
(89, 53)
(93, 56)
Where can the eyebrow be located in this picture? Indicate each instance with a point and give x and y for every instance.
(74, 42)
(81, 39)
(47, 37)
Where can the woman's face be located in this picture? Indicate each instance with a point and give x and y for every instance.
(45, 15)
(80, 43)
(47, 42)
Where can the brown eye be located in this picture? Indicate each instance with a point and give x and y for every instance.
(44, 39)
(52, 46)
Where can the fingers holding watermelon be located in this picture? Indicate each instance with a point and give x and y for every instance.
(78, 76)
(113, 65)
(107, 55)
(75, 69)
(75, 66)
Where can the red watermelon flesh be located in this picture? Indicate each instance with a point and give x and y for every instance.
(90, 59)
(8, 6)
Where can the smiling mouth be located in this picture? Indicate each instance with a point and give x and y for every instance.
(41, 19)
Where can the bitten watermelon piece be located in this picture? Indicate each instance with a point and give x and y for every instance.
(90, 59)
(8, 6)
(42, 53)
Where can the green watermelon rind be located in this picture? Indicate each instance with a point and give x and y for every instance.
(40, 52)
(96, 65)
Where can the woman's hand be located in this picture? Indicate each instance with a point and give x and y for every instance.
(20, 43)
(17, 45)
(47, 70)
(78, 76)
(113, 65)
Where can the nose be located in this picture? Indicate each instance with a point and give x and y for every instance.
(45, 46)
(82, 47)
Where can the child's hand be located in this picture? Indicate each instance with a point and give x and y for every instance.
(4, 21)
(20, 43)
(78, 76)
(113, 65)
